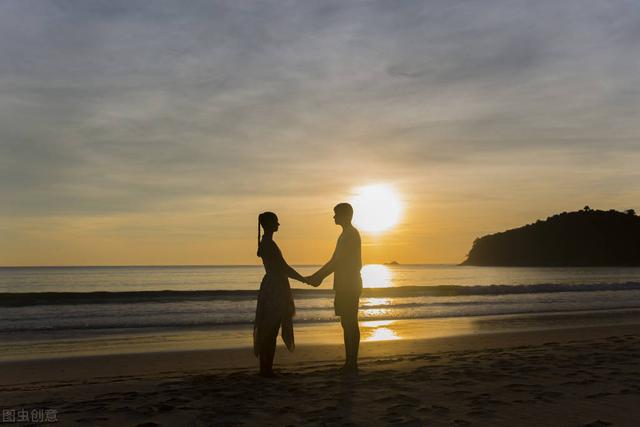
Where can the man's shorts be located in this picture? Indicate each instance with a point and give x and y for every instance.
(346, 302)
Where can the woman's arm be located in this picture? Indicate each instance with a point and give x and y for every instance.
(287, 269)
(291, 272)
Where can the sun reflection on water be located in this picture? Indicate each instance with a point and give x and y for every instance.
(376, 331)
(377, 301)
(376, 276)
(377, 323)
(375, 307)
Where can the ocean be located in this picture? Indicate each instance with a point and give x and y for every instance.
(60, 301)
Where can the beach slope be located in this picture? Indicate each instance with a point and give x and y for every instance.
(586, 376)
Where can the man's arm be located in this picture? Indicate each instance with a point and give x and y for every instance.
(326, 269)
(317, 277)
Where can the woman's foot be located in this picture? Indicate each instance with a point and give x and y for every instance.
(267, 374)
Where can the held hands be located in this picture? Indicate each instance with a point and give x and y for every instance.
(313, 280)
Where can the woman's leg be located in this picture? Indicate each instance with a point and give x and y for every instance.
(268, 349)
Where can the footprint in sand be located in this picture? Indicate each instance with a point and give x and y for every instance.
(90, 421)
(598, 395)
(400, 409)
(548, 396)
(523, 387)
(458, 393)
(598, 423)
(436, 410)
(402, 421)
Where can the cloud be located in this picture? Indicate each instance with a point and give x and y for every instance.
(130, 106)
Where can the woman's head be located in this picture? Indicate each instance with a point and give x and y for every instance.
(269, 222)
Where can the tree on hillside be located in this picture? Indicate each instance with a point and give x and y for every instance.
(583, 238)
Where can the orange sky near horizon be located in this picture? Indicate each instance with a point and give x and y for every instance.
(431, 230)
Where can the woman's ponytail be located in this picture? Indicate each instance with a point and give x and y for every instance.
(258, 252)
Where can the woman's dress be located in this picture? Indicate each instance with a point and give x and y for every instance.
(275, 301)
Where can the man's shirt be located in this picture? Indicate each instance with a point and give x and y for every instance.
(347, 261)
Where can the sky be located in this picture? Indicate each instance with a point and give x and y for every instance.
(154, 132)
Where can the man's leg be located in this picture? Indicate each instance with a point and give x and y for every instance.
(351, 331)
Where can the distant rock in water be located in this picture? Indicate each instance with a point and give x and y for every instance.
(584, 238)
(392, 263)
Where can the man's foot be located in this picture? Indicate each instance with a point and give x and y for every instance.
(349, 369)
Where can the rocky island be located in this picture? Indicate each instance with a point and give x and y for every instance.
(583, 238)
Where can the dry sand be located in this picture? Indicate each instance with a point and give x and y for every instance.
(562, 377)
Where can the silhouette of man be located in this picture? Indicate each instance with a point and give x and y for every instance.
(345, 264)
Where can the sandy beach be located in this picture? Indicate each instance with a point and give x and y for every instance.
(584, 376)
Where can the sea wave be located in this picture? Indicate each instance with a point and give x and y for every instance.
(163, 323)
(22, 299)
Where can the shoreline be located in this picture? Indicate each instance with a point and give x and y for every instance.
(240, 359)
(319, 343)
(63, 344)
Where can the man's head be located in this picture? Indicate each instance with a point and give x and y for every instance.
(343, 214)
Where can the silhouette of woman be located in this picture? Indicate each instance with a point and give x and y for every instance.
(275, 306)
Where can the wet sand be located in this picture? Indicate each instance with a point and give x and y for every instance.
(572, 376)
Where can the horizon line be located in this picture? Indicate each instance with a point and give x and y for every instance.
(193, 265)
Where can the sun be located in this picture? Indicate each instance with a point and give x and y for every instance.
(376, 208)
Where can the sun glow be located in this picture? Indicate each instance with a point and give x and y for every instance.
(376, 208)
(376, 331)
(376, 276)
